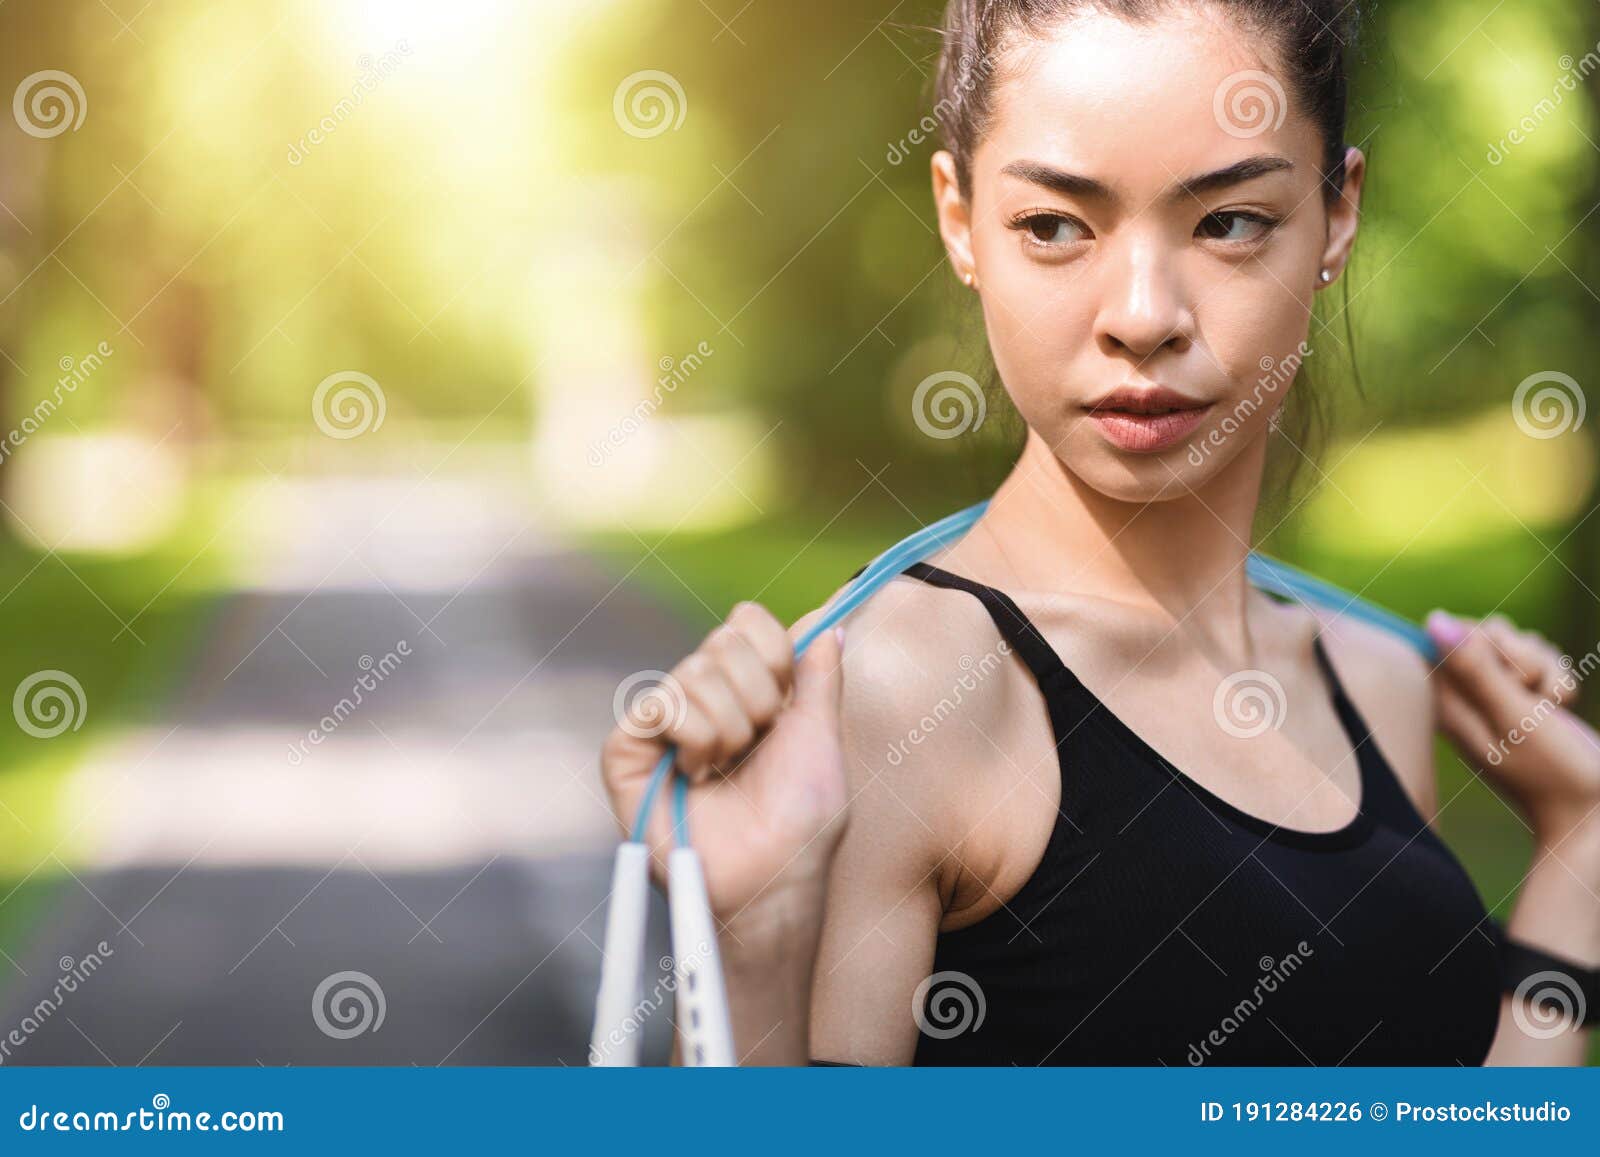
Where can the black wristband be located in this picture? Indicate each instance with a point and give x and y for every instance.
(1558, 986)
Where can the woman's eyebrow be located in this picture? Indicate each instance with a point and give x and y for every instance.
(1077, 185)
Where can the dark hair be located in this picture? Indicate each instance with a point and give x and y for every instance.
(1311, 37)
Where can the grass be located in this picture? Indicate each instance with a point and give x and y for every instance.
(790, 564)
(123, 629)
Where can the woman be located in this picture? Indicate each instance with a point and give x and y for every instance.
(1029, 776)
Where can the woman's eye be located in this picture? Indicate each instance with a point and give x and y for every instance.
(1235, 226)
(1052, 229)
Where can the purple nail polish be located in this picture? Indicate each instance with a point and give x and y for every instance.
(1447, 630)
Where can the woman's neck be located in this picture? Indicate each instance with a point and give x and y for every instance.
(1183, 557)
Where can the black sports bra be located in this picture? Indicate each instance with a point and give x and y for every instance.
(1164, 926)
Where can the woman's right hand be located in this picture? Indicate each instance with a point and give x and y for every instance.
(758, 738)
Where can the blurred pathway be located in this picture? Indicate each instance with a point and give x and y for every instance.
(444, 834)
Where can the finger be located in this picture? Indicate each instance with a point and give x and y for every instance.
(732, 730)
(1470, 663)
(625, 764)
(692, 728)
(647, 705)
(1537, 663)
(819, 679)
(1464, 726)
(768, 638)
(747, 673)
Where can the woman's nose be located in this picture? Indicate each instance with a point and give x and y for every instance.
(1144, 307)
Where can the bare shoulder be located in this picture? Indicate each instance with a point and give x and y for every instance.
(917, 650)
(1389, 683)
(926, 679)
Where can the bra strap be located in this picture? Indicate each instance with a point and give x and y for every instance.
(1349, 715)
(1014, 626)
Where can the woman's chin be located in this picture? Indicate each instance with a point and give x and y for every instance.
(1139, 478)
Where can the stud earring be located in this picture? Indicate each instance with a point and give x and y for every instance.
(969, 280)
(1326, 277)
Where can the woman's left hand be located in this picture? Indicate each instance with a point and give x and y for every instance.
(1502, 696)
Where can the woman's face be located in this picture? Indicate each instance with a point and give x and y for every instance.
(1139, 222)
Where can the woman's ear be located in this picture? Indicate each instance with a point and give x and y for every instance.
(955, 217)
(1344, 215)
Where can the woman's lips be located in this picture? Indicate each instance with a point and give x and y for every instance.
(1148, 433)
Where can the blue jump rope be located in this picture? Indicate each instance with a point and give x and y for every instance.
(1266, 573)
(703, 1021)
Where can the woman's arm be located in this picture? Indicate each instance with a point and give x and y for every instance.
(1502, 698)
(825, 859)
(1558, 911)
(832, 976)
(757, 737)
